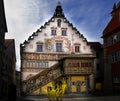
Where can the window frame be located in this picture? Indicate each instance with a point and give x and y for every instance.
(59, 48)
(53, 31)
(77, 48)
(40, 49)
(59, 22)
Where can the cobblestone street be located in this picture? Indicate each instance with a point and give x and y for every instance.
(77, 98)
(69, 98)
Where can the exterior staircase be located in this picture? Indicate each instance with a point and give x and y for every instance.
(39, 80)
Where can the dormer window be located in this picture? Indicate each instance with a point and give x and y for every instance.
(59, 23)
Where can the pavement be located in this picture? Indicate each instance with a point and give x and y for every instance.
(70, 97)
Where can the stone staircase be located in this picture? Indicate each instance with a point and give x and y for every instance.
(42, 78)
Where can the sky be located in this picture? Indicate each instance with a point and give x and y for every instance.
(24, 17)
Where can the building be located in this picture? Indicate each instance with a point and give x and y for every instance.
(58, 50)
(18, 82)
(99, 78)
(9, 68)
(3, 30)
(111, 37)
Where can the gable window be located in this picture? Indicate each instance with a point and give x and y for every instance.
(53, 32)
(64, 32)
(59, 23)
(39, 47)
(77, 48)
(59, 47)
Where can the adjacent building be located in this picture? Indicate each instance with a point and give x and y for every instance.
(18, 82)
(3, 30)
(111, 37)
(9, 68)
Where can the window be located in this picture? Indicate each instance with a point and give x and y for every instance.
(42, 64)
(113, 39)
(59, 23)
(53, 32)
(39, 64)
(116, 80)
(39, 47)
(77, 48)
(115, 57)
(58, 47)
(64, 32)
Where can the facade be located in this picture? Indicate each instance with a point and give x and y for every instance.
(3, 29)
(18, 82)
(9, 68)
(111, 37)
(99, 74)
(56, 50)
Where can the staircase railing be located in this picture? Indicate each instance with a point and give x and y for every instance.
(42, 83)
(42, 78)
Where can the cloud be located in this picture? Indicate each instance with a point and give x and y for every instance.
(23, 18)
(90, 17)
(26, 16)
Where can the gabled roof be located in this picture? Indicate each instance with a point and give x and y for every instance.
(58, 13)
(114, 22)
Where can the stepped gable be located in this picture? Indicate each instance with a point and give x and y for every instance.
(58, 14)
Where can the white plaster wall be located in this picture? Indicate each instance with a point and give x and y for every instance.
(51, 63)
(25, 74)
(47, 30)
(84, 48)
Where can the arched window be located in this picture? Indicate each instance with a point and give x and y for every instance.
(59, 23)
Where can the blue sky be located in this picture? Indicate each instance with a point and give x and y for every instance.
(25, 16)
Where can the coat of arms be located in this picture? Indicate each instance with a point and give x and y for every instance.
(48, 44)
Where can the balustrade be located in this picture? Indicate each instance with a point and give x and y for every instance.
(38, 82)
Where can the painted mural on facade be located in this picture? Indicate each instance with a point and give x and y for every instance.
(44, 50)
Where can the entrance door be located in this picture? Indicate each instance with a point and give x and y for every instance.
(78, 87)
(81, 87)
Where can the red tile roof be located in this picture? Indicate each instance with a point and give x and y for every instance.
(114, 22)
